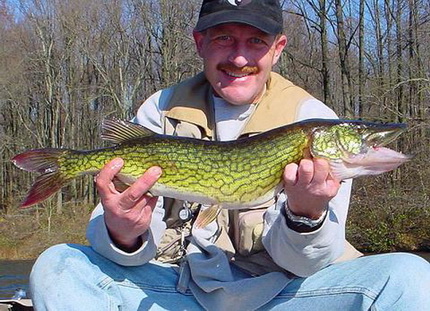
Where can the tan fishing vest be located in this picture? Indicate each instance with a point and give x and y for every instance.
(190, 114)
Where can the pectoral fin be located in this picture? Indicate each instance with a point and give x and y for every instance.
(208, 215)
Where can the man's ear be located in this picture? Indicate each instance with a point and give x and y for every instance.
(198, 40)
(280, 43)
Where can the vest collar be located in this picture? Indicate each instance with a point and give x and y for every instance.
(192, 102)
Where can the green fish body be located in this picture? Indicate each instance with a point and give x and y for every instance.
(232, 174)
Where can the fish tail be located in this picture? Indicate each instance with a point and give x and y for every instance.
(45, 162)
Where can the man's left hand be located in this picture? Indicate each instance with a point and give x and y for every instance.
(309, 187)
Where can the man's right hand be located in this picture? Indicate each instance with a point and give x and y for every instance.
(127, 214)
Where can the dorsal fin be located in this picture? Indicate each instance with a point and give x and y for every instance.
(118, 131)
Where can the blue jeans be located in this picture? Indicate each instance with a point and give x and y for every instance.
(74, 277)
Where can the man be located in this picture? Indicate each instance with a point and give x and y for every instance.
(289, 253)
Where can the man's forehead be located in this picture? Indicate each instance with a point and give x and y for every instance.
(237, 27)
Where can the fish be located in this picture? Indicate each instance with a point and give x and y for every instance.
(238, 174)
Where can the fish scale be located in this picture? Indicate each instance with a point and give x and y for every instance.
(234, 174)
(229, 174)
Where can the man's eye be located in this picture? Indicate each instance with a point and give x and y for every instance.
(224, 40)
(256, 41)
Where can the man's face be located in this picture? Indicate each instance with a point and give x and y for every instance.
(238, 59)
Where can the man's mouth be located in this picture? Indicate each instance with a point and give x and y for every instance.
(236, 75)
(236, 72)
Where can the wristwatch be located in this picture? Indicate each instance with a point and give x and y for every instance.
(301, 223)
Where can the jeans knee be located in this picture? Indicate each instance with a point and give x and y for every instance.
(53, 252)
(55, 261)
(53, 256)
(409, 268)
(417, 270)
(406, 282)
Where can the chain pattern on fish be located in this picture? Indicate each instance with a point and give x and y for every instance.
(234, 174)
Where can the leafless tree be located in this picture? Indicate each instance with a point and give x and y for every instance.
(66, 65)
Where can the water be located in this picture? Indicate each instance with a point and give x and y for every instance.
(14, 274)
(424, 255)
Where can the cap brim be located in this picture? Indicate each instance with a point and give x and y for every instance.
(265, 24)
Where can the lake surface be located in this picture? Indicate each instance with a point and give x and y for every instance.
(14, 274)
(425, 256)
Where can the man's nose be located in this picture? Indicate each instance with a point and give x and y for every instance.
(239, 56)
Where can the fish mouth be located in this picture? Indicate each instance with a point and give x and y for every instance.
(375, 161)
(373, 158)
(376, 135)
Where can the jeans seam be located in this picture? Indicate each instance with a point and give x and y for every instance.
(151, 287)
(104, 284)
(331, 291)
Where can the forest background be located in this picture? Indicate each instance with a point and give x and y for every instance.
(65, 65)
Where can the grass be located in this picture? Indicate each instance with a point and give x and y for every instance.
(24, 234)
(387, 214)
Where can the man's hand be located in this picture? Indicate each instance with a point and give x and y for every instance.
(127, 214)
(309, 187)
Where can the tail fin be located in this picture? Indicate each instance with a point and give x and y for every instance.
(45, 162)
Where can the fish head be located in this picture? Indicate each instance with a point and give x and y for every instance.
(356, 148)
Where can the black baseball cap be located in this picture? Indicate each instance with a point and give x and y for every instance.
(265, 15)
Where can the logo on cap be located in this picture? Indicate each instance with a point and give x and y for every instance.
(239, 2)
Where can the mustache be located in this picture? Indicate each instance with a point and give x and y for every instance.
(235, 69)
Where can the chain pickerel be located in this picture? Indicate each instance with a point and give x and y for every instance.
(232, 174)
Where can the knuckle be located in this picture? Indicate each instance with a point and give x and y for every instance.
(307, 169)
(323, 165)
(133, 197)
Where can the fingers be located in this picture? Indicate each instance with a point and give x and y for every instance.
(107, 173)
(301, 174)
(309, 171)
(290, 174)
(321, 170)
(305, 172)
(138, 191)
(127, 214)
(134, 194)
